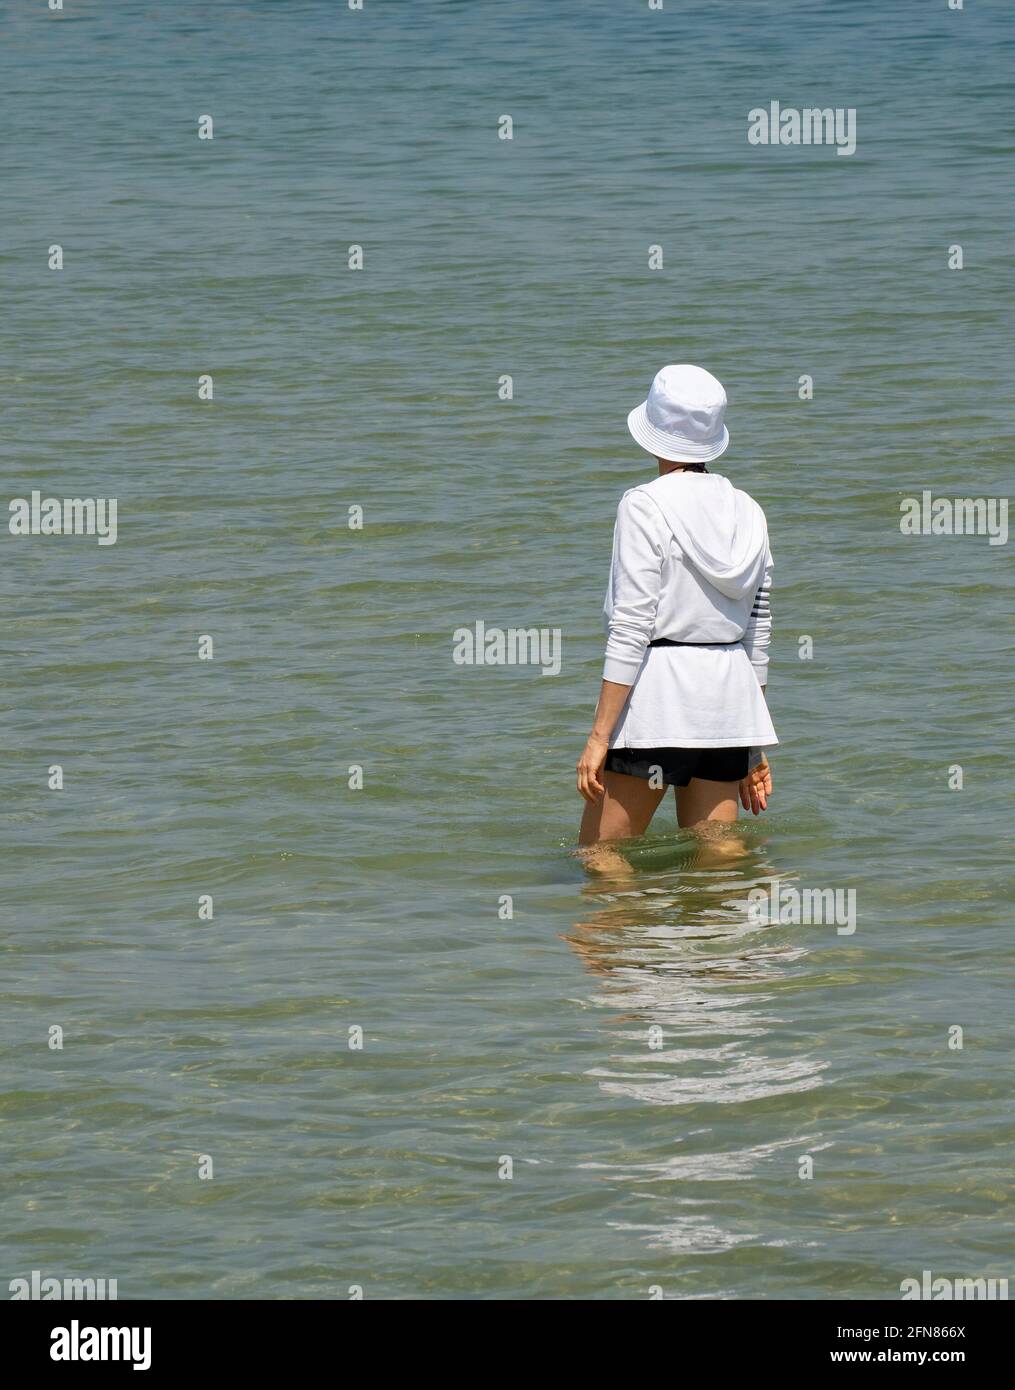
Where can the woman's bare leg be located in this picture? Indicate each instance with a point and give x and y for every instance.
(709, 809)
(624, 810)
(703, 801)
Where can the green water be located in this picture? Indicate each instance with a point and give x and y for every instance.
(485, 1037)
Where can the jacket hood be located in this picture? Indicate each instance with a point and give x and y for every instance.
(720, 530)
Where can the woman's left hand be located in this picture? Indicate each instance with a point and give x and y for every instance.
(590, 768)
(756, 787)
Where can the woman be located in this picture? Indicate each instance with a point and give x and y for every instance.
(683, 695)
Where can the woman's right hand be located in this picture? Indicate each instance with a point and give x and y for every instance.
(590, 768)
(756, 787)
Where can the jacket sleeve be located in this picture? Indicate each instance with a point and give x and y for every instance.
(758, 633)
(633, 593)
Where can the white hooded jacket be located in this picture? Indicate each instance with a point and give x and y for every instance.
(691, 562)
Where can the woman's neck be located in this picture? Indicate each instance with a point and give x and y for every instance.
(665, 467)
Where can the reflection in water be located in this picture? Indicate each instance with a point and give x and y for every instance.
(693, 984)
(678, 953)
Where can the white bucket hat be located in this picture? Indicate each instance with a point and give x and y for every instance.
(682, 420)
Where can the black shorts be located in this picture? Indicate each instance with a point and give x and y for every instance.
(678, 765)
